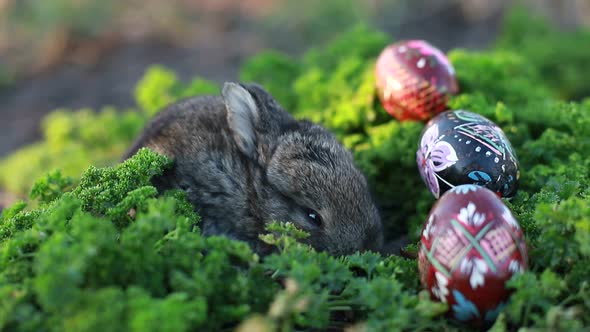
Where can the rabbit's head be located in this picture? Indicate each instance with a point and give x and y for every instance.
(308, 177)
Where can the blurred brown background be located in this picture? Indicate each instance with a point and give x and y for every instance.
(90, 53)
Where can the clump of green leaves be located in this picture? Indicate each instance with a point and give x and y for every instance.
(557, 55)
(72, 141)
(107, 251)
(160, 87)
(77, 267)
(85, 263)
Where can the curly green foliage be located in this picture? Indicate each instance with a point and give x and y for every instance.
(50, 187)
(276, 72)
(71, 142)
(480, 72)
(336, 85)
(559, 56)
(543, 300)
(160, 87)
(77, 268)
(329, 286)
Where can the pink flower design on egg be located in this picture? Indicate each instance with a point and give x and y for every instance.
(434, 156)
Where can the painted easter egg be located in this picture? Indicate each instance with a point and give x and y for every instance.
(461, 147)
(414, 80)
(471, 245)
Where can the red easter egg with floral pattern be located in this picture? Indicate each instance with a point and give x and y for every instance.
(414, 80)
(471, 245)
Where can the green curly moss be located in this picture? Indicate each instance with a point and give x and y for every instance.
(560, 57)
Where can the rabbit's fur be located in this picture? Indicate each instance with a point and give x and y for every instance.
(245, 162)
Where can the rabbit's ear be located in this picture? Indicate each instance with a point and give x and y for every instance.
(242, 116)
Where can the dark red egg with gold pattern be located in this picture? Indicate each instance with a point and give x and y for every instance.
(471, 245)
(414, 80)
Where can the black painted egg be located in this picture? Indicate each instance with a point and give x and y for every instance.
(460, 147)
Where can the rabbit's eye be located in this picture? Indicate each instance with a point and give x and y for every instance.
(314, 217)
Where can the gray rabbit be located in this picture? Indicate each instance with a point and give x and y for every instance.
(244, 162)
